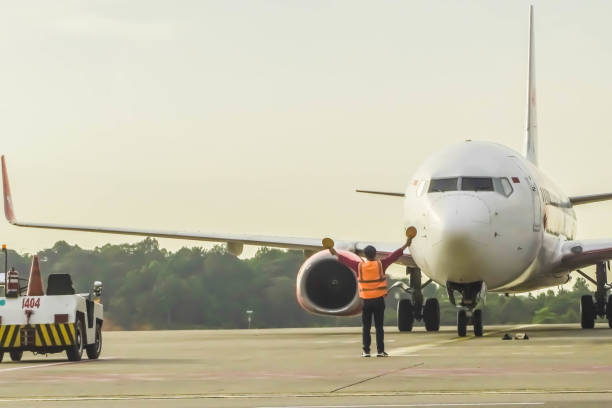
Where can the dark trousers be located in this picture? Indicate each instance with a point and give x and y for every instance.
(373, 307)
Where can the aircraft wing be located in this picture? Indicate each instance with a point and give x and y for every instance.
(235, 242)
(581, 253)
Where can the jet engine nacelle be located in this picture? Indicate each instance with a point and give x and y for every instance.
(327, 287)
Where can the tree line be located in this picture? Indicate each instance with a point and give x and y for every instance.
(148, 287)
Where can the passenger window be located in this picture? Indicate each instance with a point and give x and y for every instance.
(443, 184)
(477, 184)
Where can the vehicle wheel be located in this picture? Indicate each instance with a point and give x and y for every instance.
(431, 314)
(462, 323)
(1, 355)
(608, 311)
(587, 312)
(477, 319)
(94, 350)
(405, 317)
(75, 352)
(16, 355)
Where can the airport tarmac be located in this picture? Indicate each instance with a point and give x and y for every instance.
(559, 366)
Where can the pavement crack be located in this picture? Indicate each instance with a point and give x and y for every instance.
(375, 377)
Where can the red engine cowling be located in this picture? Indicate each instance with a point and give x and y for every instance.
(327, 287)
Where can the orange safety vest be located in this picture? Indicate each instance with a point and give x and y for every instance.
(371, 280)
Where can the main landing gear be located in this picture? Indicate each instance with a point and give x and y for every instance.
(471, 296)
(600, 303)
(412, 308)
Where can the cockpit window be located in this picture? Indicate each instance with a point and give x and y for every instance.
(477, 184)
(499, 185)
(444, 184)
(506, 187)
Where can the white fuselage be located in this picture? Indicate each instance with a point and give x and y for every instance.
(485, 213)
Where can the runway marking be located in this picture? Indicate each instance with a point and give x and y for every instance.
(51, 364)
(191, 397)
(450, 404)
(306, 395)
(420, 347)
(376, 376)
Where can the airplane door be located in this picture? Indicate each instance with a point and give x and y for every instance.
(537, 210)
(535, 196)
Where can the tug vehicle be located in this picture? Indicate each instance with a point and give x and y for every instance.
(54, 321)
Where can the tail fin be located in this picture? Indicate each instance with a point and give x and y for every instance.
(531, 128)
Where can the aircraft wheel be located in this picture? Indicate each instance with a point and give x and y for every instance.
(587, 312)
(431, 314)
(462, 321)
(94, 350)
(75, 352)
(16, 355)
(405, 316)
(609, 311)
(477, 319)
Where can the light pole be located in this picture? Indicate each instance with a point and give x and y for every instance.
(249, 317)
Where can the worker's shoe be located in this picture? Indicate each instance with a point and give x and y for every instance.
(365, 354)
(382, 354)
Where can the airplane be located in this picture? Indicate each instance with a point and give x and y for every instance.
(488, 220)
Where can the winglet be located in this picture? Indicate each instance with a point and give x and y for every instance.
(8, 201)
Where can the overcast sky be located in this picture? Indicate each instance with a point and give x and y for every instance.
(264, 116)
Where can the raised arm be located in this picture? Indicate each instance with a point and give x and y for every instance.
(395, 255)
(345, 260)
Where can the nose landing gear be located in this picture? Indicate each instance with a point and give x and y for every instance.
(411, 308)
(463, 321)
(472, 294)
(599, 305)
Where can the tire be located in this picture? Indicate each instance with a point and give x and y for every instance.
(587, 312)
(431, 314)
(608, 311)
(477, 319)
(75, 352)
(405, 316)
(95, 349)
(1, 355)
(16, 355)
(462, 321)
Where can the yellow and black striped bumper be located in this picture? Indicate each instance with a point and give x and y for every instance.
(37, 335)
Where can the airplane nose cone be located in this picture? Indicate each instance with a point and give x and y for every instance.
(460, 218)
(459, 232)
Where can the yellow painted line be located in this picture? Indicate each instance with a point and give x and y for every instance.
(519, 327)
(55, 335)
(72, 330)
(2, 330)
(43, 329)
(7, 341)
(65, 334)
(420, 347)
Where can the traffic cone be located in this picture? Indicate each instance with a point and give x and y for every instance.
(35, 285)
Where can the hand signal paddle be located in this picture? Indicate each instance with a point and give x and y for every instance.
(328, 243)
(411, 232)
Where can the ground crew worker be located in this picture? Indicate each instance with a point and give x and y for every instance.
(372, 283)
